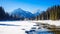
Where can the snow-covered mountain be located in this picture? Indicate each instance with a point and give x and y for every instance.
(37, 12)
(22, 13)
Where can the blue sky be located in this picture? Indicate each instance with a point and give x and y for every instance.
(28, 5)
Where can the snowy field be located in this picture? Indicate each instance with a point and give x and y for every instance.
(19, 27)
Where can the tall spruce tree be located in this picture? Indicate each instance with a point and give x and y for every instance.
(2, 13)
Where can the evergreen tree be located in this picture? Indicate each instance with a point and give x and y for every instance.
(2, 13)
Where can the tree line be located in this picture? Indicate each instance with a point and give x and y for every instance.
(52, 13)
(4, 16)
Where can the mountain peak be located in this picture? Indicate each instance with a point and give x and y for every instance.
(37, 12)
(19, 9)
(21, 12)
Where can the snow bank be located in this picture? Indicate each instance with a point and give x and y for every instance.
(51, 22)
(24, 25)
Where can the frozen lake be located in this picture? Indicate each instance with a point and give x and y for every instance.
(16, 27)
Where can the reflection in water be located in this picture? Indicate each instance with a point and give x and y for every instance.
(39, 30)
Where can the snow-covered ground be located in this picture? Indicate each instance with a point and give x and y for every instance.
(22, 26)
(51, 22)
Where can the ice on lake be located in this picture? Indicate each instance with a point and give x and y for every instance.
(19, 27)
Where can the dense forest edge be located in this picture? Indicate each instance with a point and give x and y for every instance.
(52, 13)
